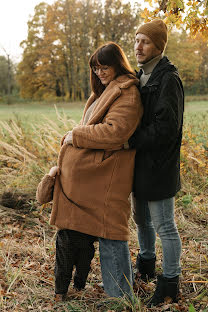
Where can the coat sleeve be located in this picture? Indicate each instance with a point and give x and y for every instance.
(44, 193)
(168, 117)
(119, 124)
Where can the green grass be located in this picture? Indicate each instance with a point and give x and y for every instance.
(27, 242)
(195, 115)
(196, 120)
(196, 106)
(33, 113)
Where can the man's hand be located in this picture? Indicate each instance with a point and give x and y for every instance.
(68, 138)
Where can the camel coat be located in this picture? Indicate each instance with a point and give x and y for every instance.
(91, 193)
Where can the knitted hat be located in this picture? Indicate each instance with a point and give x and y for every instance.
(156, 30)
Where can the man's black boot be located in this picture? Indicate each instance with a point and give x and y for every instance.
(166, 287)
(146, 267)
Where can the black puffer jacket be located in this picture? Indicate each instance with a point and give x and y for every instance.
(158, 139)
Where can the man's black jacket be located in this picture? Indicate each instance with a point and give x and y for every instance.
(158, 139)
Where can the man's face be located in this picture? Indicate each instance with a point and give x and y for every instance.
(144, 49)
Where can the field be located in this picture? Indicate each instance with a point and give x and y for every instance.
(29, 144)
(35, 112)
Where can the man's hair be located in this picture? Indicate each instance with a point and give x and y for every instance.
(109, 54)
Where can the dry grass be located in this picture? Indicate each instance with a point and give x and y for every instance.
(27, 246)
(27, 253)
(26, 154)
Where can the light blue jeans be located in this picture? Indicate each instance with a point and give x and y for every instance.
(116, 267)
(154, 217)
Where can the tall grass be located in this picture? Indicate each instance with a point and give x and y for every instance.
(27, 247)
(27, 153)
(28, 149)
(194, 166)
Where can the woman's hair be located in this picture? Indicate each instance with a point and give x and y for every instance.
(109, 54)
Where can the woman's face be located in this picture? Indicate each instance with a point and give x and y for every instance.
(105, 73)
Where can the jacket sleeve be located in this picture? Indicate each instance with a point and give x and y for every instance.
(119, 124)
(168, 117)
(44, 193)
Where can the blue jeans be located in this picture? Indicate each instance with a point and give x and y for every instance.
(154, 217)
(116, 267)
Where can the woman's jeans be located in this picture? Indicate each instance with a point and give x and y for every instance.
(116, 267)
(154, 217)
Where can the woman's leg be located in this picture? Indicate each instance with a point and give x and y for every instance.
(116, 267)
(65, 258)
(84, 257)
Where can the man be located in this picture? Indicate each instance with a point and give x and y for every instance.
(157, 163)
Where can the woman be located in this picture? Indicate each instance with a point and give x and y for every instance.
(91, 194)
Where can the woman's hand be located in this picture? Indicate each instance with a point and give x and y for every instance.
(53, 171)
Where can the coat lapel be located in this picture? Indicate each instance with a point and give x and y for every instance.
(91, 99)
(104, 101)
(109, 95)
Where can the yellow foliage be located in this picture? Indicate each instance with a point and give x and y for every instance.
(194, 156)
(193, 15)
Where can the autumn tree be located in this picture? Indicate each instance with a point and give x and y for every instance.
(181, 56)
(201, 49)
(30, 82)
(120, 23)
(7, 75)
(191, 14)
(3, 75)
(62, 36)
(190, 56)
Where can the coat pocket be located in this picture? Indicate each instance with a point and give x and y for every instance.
(101, 155)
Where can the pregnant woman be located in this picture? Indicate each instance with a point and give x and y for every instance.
(96, 168)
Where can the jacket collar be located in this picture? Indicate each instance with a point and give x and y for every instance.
(148, 67)
(163, 66)
(109, 95)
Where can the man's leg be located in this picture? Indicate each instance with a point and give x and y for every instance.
(162, 214)
(116, 267)
(146, 236)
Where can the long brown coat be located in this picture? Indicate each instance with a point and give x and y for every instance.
(91, 194)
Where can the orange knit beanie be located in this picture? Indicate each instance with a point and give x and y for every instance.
(156, 30)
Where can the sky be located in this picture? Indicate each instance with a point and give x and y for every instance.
(14, 15)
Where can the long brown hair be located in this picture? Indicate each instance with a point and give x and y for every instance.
(109, 54)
